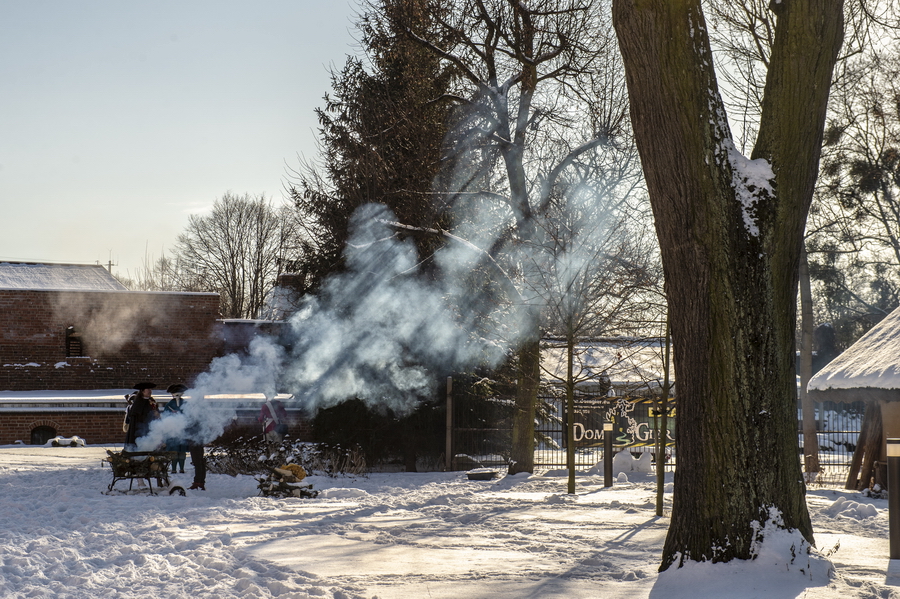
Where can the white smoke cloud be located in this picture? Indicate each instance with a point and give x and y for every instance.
(376, 331)
(379, 331)
(202, 421)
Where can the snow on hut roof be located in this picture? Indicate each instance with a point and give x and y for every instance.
(65, 277)
(872, 362)
(631, 365)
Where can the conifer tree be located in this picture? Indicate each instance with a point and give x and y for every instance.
(382, 129)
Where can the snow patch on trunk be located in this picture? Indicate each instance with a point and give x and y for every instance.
(752, 180)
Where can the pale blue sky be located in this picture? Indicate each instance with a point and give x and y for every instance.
(119, 119)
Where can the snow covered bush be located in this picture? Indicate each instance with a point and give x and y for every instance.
(251, 456)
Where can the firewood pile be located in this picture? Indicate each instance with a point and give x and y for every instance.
(282, 482)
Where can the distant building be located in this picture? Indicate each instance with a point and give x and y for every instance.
(67, 326)
(73, 342)
(60, 277)
(617, 366)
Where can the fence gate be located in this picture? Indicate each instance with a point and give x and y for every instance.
(480, 429)
(837, 428)
(636, 422)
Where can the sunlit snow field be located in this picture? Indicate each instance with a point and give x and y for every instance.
(403, 535)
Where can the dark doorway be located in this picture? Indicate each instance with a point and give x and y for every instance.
(42, 434)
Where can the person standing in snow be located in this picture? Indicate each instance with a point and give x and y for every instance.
(140, 413)
(273, 417)
(198, 459)
(179, 446)
(198, 455)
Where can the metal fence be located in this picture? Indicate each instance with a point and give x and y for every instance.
(837, 429)
(481, 432)
(637, 422)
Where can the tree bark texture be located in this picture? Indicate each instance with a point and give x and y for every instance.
(730, 267)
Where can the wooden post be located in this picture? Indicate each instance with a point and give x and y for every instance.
(893, 483)
(868, 449)
(607, 454)
(448, 449)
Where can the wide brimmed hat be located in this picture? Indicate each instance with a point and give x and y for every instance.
(176, 388)
(145, 385)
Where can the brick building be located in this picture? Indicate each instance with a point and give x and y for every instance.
(73, 342)
(76, 327)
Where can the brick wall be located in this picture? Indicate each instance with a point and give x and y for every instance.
(93, 427)
(126, 337)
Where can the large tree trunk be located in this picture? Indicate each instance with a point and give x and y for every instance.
(730, 267)
(528, 374)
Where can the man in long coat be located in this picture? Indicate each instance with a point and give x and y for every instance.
(139, 414)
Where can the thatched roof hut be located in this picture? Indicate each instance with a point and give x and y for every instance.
(869, 371)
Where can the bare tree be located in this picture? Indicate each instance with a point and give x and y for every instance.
(163, 274)
(854, 237)
(742, 35)
(238, 250)
(595, 267)
(541, 94)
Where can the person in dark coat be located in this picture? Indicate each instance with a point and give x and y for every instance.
(198, 456)
(140, 413)
(198, 459)
(179, 446)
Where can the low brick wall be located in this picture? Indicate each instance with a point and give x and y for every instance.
(98, 427)
(93, 427)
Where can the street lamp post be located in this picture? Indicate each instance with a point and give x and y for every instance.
(893, 481)
(607, 454)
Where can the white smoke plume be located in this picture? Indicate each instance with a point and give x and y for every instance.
(375, 332)
(379, 331)
(203, 418)
(107, 325)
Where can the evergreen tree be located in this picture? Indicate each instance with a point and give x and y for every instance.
(382, 130)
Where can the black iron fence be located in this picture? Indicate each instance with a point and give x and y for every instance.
(637, 422)
(837, 429)
(480, 431)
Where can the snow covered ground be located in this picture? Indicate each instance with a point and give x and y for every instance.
(428, 535)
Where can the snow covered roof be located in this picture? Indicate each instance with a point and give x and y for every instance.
(64, 277)
(634, 366)
(100, 400)
(872, 363)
